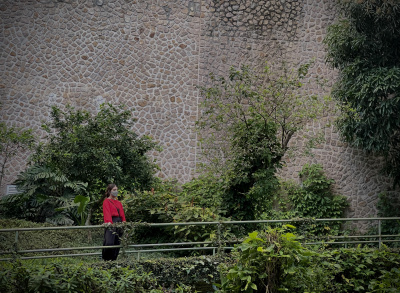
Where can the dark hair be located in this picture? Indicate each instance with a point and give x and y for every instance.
(108, 190)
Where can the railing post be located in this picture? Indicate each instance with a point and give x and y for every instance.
(219, 237)
(16, 242)
(379, 233)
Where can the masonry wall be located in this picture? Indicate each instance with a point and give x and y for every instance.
(150, 55)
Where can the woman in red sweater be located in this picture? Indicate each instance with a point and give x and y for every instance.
(113, 212)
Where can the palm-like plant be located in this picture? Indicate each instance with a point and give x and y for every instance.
(42, 192)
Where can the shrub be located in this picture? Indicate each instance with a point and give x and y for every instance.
(312, 199)
(197, 272)
(346, 270)
(169, 203)
(273, 260)
(263, 260)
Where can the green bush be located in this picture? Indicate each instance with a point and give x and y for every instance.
(206, 190)
(312, 199)
(169, 203)
(274, 261)
(263, 260)
(348, 271)
(388, 282)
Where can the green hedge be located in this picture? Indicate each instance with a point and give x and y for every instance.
(360, 270)
(198, 272)
(56, 277)
(165, 274)
(28, 240)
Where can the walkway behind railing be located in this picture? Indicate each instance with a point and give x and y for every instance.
(218, 244)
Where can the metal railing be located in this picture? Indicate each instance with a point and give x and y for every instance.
(218, 245)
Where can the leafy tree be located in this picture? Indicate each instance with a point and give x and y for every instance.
(365, 46)
(97, 147)
(246, 124)
(12, 142)
(82, 153)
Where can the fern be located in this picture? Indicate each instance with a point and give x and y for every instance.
(43, 191)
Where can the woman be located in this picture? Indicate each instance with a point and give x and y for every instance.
(113, 212)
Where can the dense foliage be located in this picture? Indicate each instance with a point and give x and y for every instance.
(200, 200)
(312, 199)
(56, 277)
(169, 202)
(82, 153)
(246, 124)
(271, 260)
(199, 272)
(93, 148)
(365, 46)
(263, 261)
(193, 274)
(275, 261)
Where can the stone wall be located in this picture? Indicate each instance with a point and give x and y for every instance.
(150, 55)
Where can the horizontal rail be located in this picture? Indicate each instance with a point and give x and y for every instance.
(110, 246)
(347, 242)
(359, 236)
(53, 256)
(171, 249)
(169, 244)
(99, 253)
(206, 223)
(330, 239)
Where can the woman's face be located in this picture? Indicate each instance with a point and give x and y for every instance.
(114, 192)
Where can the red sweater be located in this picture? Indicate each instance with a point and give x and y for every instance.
(110, 210)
